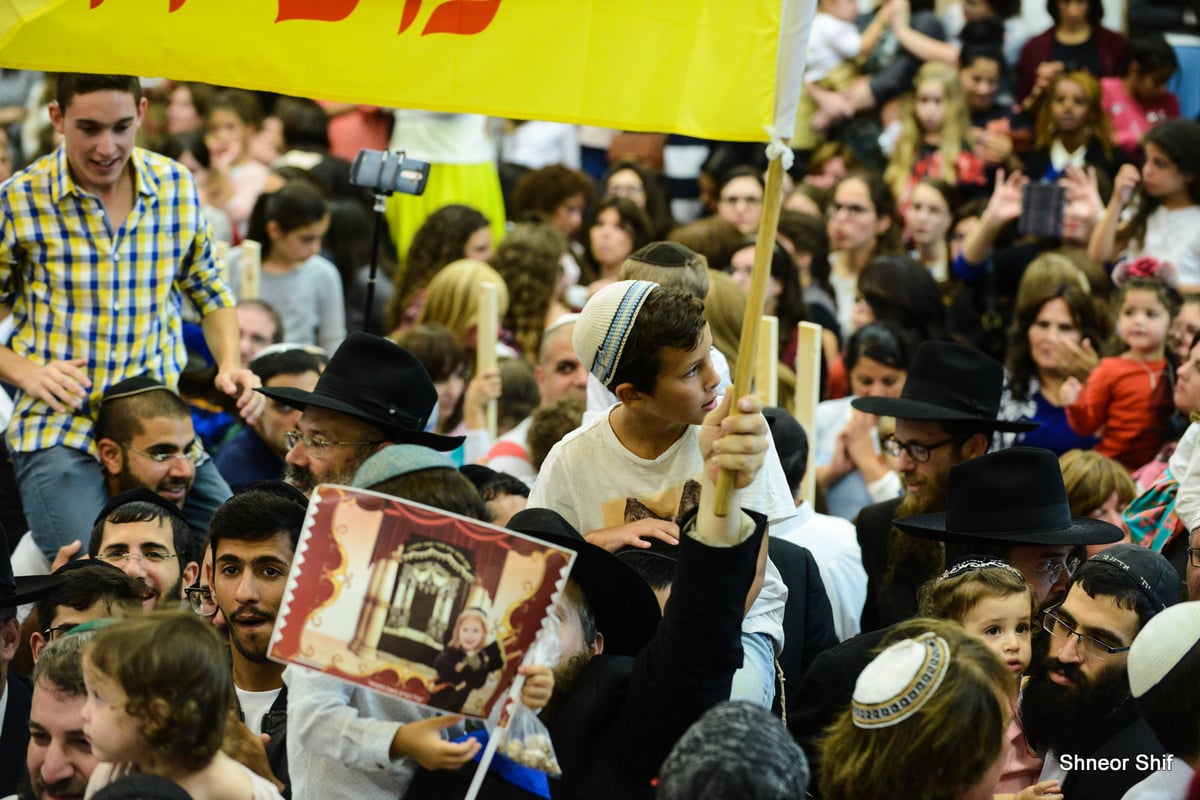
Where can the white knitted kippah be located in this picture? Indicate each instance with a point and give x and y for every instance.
(899, 681)
(605, 323)
(1160, 645)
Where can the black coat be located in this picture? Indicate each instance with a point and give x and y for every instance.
(14, 735)
(886, 604)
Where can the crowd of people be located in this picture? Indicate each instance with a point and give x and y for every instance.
(995, 590)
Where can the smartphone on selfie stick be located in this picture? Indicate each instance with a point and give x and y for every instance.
(385, 173)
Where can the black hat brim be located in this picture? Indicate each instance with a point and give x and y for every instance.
(1081, 531)
(30, 589)
(624, 606)
(904, 408)
(301, 399)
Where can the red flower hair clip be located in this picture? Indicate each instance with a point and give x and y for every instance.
(1146, 267)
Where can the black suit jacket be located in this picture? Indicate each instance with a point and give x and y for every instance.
(1125, 735)
(807, 616)
(14, 735)
(886, 604)
(826, 691)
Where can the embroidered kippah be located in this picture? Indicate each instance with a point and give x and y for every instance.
(604, 326)
(899, 681)
(969, 564)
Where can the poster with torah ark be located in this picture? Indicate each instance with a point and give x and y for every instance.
(413, 601)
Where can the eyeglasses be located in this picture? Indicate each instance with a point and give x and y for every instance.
(193, 453)
(200, 598)
(1053, 569)
(853, 209)
(919, 453)
(1088, 645)
(120, 557)
(736, 200)
(626, 191)
(1192, 551)
(50, 634)
(317, 448)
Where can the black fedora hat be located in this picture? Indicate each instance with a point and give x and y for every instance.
(16, 591)
(623, 604)
(1014, 496)
(948, 382)
(379, 382)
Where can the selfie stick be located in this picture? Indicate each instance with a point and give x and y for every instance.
(384, 173)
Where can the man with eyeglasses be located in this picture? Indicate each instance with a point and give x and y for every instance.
(1012, 504)
(91, 589)
(945, 415)
(372, 393)
(1076, 706)
(146, 536)
(256, 452)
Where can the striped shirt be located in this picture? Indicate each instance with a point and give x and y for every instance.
(81, 289)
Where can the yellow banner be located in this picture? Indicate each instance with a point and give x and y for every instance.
(700, 67)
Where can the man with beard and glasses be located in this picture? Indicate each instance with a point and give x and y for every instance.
(145, 438)
(613, 719)
(147, 537)
(372, 393)
(1010, 505)
(1076, 706)
(59, 760)
(945, 415)
(253, 538)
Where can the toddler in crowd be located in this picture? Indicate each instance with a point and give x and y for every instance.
(159, 697)
(1128, 396)
(992, 602)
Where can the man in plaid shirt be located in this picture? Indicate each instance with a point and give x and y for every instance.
(100, 244)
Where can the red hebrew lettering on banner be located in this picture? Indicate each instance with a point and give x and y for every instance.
(319, 10)
(462, 17)
(174, 5)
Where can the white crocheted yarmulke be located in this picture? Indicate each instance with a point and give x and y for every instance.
(899, 681)
(1160, 645)
(604, 326)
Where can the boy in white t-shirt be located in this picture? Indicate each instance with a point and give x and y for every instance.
(629, 475)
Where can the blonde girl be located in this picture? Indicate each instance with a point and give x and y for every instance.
(933, 135)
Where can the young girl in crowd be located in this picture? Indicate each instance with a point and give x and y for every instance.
(448, 234)
(466, 661)
(618, 229)
(992, 602)
(862, 224)
(1072, 130)
(159, 698)
(300, 283)
(1165, 197)
(1138, 101)
(784, 299)
(233, 119)
(933, 136)
(1128, 395)
(927, 225)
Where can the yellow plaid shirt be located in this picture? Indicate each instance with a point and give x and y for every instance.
(81, 289)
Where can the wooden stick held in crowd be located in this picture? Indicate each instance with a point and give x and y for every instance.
(485, 343)
(808, 381)
(766, 367)
(251, 269)
(768, 224)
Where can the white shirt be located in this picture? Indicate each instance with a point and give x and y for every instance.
(833, 543)
(255, 705)
(1165, 784)
(830, 41)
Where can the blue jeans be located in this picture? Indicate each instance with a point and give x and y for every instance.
(63, 491)
(755, 681)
